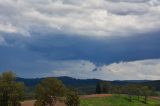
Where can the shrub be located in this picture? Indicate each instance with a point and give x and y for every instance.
(72, 99)
(48, 91)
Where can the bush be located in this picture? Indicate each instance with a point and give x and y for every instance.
(72, 99)
(47, 92)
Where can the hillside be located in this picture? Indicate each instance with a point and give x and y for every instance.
(68, 81)
(88, 85)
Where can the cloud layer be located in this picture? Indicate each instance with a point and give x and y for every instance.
(139, 70)
(82, 17)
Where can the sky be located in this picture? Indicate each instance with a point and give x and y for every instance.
(103, 39)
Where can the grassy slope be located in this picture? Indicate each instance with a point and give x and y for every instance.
(117, 101)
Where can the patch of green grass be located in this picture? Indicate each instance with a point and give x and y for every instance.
(118, 100)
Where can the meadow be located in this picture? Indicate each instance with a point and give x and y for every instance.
(107, 100)
(118, 100)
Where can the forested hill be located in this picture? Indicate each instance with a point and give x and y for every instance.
(68, 81)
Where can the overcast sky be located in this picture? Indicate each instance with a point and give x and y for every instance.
(104, 39)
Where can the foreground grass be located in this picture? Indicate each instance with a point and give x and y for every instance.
(118, 100)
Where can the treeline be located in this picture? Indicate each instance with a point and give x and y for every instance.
(129, 89)
(47, 92)
(84, 86)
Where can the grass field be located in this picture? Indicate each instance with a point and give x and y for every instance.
(107, 100)
(117, 100)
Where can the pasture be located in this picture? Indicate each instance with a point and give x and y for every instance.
(108, 100)
(118, 100)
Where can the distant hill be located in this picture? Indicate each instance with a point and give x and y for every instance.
(68, 81)
(88, 85)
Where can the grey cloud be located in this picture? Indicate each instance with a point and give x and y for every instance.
(87, 18)
(132, 1)
(46, 54)
(103, 50)
(138, 70)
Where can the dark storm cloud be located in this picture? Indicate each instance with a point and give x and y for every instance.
(35, 56)
(104, 50)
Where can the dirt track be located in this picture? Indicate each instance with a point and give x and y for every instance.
(95, 96)
(153, 97)
(28, 103)
(31, 102)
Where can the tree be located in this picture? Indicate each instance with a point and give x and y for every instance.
(138, 91)
(72, 99)
(103, 87)
(146, 92)
(11, 92)
(130, 91)
(48, 91)
(17, 94)
(116, 89)
(98, 88)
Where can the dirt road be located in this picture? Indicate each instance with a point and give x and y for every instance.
(95, 96)
(155, 97)
(31, 102)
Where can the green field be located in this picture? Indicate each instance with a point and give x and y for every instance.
(117, 100)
